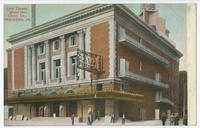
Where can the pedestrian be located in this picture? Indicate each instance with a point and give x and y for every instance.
(91, 118)
(185, 119)
(164, 118)
(172, 119)
(98, 115)
(112, 118)
(176, 122)
(123, 119)
(88, 118)
(72, 119)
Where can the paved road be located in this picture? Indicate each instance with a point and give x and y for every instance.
(67, 122)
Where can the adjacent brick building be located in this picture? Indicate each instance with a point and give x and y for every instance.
(140, 66)
(182, 93)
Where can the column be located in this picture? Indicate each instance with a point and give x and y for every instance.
(25, 66)
(33, 65)
(47, 62)
(81, 47)
(29, 66)
(87, 48)
(63, 58)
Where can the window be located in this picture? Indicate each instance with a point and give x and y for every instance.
(157, 77)
(125, 87)
(42, 71)
(140, 66)
(99, 87)
(57, 71)
(158, 95)
(56, 45)
(41, 49)
(140, 40)
(72, 41)
(73, 62)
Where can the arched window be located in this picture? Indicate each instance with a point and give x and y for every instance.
(70, 91)
(53, 93)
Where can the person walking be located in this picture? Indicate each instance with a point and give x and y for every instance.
(172, 119)
(88, 118)
(123, 119)
(72, 119)
(98, 115)
(164, 118)
(112, 118)
(185, 119)
(176, 122)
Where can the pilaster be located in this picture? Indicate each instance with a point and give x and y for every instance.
(81, 47)
(63, 58)
(47, 61)
(29, 67)
(33, 65)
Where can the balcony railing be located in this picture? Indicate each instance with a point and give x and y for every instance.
(132, 43)
(125, 73)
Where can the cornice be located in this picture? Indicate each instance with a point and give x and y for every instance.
(147, 28)
(60, 22)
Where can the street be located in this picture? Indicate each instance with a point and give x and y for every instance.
(62, 121)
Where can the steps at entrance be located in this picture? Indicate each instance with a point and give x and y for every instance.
(57, 119)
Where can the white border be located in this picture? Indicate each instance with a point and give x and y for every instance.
(82, 2)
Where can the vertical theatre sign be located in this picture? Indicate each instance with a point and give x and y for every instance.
(89, 62)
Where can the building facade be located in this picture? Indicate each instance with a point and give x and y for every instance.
(140, 67)
(183, 93)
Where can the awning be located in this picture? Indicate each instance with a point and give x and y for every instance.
(117, 95)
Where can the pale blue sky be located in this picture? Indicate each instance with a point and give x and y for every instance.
(174, 14)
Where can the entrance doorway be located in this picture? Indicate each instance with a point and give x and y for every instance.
(56, 109)
(72, 108)
(40, 110)
(100, 106)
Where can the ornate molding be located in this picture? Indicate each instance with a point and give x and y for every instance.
(59, 23)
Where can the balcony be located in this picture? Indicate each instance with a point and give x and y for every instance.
(165, 101)
(135, 45)
(125, 73)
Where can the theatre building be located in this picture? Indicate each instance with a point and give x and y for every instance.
(102, 58)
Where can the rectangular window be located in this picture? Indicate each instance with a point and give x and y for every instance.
(41, 49)
(140, 40)
(125, 87)
(42, 71)
(56, 45)
(140, 66)
(157, 77)
(99, 87)
(73, 62)
(57, 71)
(72, 40)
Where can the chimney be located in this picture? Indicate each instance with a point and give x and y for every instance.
(150, 15)
(33, 15)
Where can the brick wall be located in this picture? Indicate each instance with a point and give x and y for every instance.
(9, 73)
(19, 68)
(100, 46)
(149, 68)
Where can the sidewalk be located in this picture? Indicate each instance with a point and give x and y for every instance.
(67, 122)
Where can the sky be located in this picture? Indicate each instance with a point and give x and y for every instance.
(174, 14)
